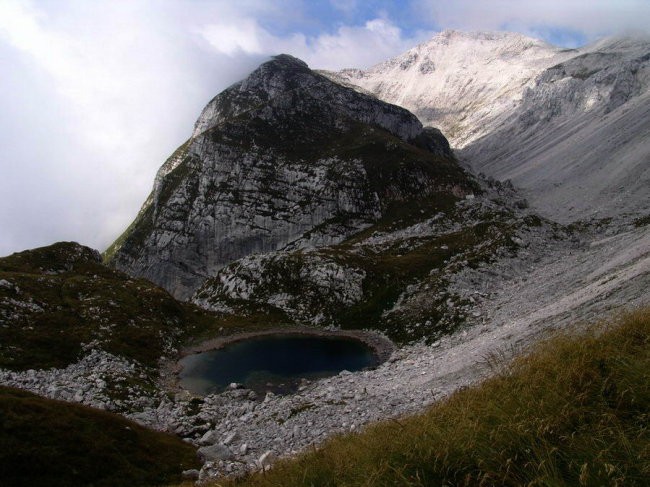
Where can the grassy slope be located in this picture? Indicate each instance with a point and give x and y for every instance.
(574, 412)
(53, 443)
(83, 301)
(391, 271)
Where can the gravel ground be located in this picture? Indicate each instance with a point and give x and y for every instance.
(517, 300)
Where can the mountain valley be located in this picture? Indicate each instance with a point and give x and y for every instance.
(510, 202)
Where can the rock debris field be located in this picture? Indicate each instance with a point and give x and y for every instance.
(516, 301)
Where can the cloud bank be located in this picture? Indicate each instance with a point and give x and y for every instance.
(553, 20)
(95, 95)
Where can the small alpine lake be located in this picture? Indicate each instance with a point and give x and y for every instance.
(276, 363)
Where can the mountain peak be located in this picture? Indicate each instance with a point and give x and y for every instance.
(280, 65)
(279, 74)
(284, 158)
(459, 81)
(285, 80)
(287, 60)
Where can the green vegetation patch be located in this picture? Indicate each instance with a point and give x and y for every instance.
(55, 299)
(52, 443)
(573, 412)
(419, 260)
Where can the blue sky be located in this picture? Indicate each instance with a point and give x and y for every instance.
(318, 16)
(95, 94)
(567, 23)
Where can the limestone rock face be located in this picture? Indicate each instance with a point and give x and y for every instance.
(283, 159)
(325, 285)
(578, 144)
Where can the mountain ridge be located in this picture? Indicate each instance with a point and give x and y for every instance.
(567, 126)
(284, 157)
(462, 83)
(578, 144)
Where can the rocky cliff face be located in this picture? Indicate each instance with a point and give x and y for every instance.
(283, 159)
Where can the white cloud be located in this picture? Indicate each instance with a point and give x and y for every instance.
(94, 95)
(592, 18)
(106, 92)
(245, 36)
(349, 46)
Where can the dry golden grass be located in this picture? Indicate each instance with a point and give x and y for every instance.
(572, 412)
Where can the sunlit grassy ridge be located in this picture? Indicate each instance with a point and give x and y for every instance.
(573, 412)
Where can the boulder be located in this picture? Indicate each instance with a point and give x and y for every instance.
(266, 459)
(234, 436)
(191, 474)
(209, 438)
(214, 452)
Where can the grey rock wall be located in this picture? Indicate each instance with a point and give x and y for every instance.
(285, 158)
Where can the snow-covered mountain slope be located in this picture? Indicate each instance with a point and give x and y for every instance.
(579, 143)
(462, 83)
(570, 127)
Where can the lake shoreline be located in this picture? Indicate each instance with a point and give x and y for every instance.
(382, 347)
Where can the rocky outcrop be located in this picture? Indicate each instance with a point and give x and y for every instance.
(284, 158)
(308, 286)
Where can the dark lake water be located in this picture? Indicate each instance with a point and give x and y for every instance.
(273, 363)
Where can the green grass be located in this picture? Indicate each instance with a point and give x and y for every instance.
(53, 443)
(572, 412)
(79, 300)
(391, 270)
